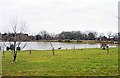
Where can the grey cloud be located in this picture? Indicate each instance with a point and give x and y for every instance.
(62, 14)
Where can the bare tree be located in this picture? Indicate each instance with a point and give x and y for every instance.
(96, 34)
(109, 34)
(18, 36)
(101, 34)
(73, 48)
(53, 49)
(52, 35)
(44, 34)
(30, 50)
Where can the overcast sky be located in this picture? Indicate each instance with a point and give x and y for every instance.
(56, 16)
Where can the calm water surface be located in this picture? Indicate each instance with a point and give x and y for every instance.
(47, 46)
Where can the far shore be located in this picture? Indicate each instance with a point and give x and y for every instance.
(74, 41)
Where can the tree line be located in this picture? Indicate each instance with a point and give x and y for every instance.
(65, 35)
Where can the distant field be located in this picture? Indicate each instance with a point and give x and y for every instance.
(86, 62)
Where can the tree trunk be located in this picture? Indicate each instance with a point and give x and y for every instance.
(74, 49)
(30, 51)
(3, 53)
(14, 57)
(53, 51)
(107, 49)
(15, 52)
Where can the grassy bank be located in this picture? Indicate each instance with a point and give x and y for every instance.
(81, 62)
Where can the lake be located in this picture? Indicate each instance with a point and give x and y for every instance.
(47, 45)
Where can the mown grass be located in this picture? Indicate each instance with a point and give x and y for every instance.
(86, 62)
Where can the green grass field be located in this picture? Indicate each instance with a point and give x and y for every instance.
(86, 62)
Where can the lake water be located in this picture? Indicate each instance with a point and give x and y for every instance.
(47, 45)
